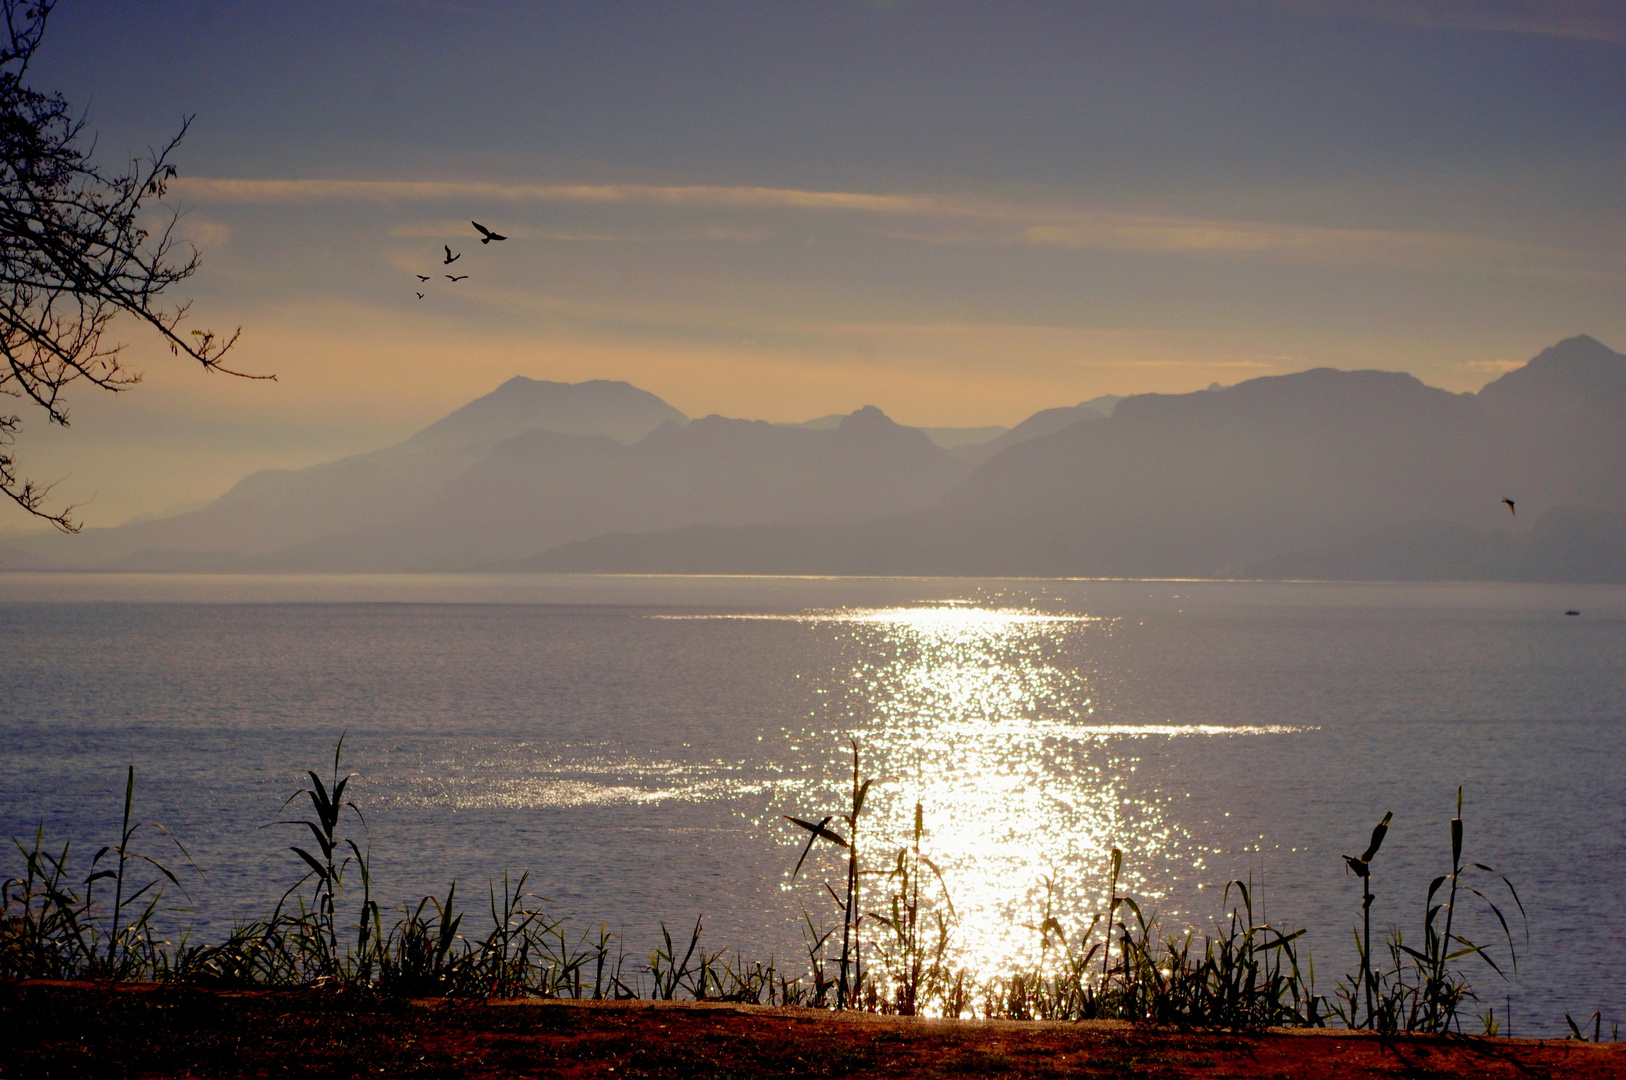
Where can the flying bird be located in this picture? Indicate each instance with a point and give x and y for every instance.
(486, 235)
(450, 258)
(1510, 506)
(422, 277)
(420, 296)
(456, 277)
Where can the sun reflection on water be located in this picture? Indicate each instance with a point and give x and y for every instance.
(991, 718)
(985, 716)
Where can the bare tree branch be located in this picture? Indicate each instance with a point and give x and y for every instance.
(74, 253)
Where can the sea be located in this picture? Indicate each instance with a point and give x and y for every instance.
(635, 746)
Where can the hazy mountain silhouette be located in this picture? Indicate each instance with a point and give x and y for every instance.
(1560, 418)
(526, 467)
(540, 489)
(276, 508)
(598, 407)
(1325, 474)
(1040, 423)
(949, 438)
(1322, 473)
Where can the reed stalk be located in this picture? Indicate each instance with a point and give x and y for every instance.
(1114, 963)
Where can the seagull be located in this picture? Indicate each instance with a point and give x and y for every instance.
(1510, 506)
(450, 258)
(487, 236)
(422, 277)
(458, 277)
(420, 296)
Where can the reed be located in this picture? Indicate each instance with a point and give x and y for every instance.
(55, 927)
(850, 980)
(315, 930)
(917, 925)
(1577, 1032)
(1425, 989)
(1111, 960)
(1361, 867)
(1245, 975)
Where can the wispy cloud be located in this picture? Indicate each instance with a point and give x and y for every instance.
(454, 229)
(1490, 367)
(1118, 233)
(207, 189)
(944, 218)
(1587, 20)
(1307, 243)
(1168, 235)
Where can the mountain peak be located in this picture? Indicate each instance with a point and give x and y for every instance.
(867, 417)
(1577, 368)
(1582, 348)
(524, 384)
(596, 407)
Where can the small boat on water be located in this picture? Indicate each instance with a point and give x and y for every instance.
(1572, 613)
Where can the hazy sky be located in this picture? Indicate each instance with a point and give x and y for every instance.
(959, 213)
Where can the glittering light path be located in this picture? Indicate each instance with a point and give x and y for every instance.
(985, 718)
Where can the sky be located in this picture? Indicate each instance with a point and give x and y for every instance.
(960, 213)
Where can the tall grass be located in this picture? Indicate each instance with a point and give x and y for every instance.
(1426, 989)
(53, 926)
(1361, 867)
(1244, 974)
(915, 930)
(850, 980)
(100, 920)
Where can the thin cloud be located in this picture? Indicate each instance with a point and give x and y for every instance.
(1154, 236)
(1160, 235)
(452, 230)
(1047, 224)
(1490, 367)
(208, 189)
(976, 219)
(1393, 247)
(1586, 20)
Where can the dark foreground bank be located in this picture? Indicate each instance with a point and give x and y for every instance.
(82, 1029)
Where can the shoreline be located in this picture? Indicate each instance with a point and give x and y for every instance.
(57, 1028)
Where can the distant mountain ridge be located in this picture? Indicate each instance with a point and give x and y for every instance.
(1042, 423)
(540, 489)
(277, 508)
(527, 467)
(1322, 473)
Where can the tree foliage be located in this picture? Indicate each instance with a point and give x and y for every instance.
(79, 245)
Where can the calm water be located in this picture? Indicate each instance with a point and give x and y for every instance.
(632, 743)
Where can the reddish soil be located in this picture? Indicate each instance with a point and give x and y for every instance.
(50, 1030)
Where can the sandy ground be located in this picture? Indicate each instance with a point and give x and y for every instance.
(50, 1030)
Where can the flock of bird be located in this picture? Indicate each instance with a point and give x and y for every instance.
(486, 237)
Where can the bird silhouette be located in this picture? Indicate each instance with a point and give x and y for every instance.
(1510, 506)
(457, 277)
(486, 235)
(420, 296)
(422, 277)
(450, 258)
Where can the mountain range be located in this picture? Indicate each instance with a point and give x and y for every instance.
(1320, 474)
